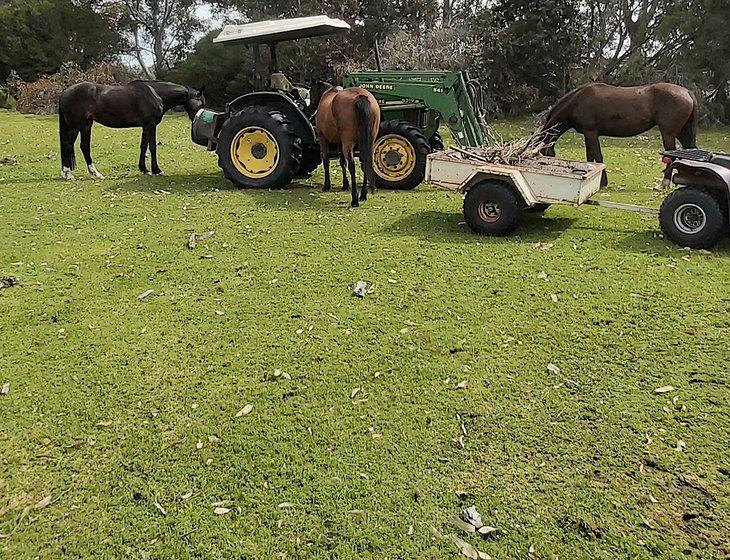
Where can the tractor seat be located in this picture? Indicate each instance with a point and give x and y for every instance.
(280, 82)
(721, 159)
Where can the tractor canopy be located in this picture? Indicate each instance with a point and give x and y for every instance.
(274, 31)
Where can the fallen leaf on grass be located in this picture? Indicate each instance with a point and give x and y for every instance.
(665, 389)
(285, 505)
(5, 389)
(213, 439)
(554, 297)
(472, 516)
(357, 512)
(159, 507)
(461, 524)
(145, 294)
(187, 495)
(553, 368)
(486, 530)
(360, 289)
(463, 384)
(199, 445)
(681, 445)
(43, 503)
(354, 392)
(104, 423)
(8, 282)
(542, 275)
(192, 241)
(221, 510)
(244, 411)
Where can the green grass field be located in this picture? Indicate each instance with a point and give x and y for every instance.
(123, 410)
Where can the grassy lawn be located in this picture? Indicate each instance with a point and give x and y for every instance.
(123, 410)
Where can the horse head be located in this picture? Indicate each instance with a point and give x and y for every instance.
(316, 91)
(195, 101)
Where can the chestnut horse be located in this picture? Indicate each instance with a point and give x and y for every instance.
(595, 110)
(348, 117)
(139, 103)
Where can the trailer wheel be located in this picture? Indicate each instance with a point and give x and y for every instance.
(257, 147)
(399, 156)
(492, 208)
(692, 217)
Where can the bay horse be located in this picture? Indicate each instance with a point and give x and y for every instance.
(348, 117)
(597, 109)
(140, 103)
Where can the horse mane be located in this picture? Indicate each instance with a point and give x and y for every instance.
(544, 118)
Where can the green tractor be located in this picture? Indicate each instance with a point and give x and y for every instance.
(266, 138)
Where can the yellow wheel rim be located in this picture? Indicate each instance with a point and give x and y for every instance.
(254, 152)
(394, 158)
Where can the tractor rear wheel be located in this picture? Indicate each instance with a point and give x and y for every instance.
(399, 156)
(257, 147)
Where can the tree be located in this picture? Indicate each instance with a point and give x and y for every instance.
(37, 36)
(530, 48)
(163, 29)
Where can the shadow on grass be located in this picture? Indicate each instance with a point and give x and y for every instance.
(649, 242)
(445, 226)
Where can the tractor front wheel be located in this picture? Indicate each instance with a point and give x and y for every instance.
(399, 156)
(258, 148)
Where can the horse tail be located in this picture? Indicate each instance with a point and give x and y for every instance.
(365, 139)
(688, 135)
(68, 157)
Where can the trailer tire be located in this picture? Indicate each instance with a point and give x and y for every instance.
(692, 217)
(258, 148)
(399, 156)
(492, 208)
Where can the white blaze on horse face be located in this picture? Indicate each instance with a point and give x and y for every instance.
(94, 173)
(66, 173)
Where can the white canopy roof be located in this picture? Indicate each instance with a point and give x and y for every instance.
(281, 30)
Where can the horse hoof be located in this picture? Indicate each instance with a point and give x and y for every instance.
(354, 204)
(345, 188)
(66, 174)
(325, 189)
(157, 173)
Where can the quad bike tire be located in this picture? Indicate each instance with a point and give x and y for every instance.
(693, 217)
(258, 148)
(399, 156)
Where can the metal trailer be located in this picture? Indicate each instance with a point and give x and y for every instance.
(496, 195)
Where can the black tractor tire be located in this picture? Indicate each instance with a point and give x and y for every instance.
(311, 160)
(539, 208)
(436, 142)
(275, 149)
(692, 217)
(493, 208)
(399, 156)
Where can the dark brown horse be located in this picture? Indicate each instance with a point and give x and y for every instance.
(596, 110)
(139, 103)
(351, 118)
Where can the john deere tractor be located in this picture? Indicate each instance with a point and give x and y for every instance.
(266, 138)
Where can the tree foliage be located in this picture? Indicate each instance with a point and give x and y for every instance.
(37, 36)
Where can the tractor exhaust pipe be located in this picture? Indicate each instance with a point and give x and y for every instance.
(378, 64)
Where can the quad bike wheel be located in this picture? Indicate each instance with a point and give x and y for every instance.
(492, 208)
(693, 217)
(399, 156)
(258, 148)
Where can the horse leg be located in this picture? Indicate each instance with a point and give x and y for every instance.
(349, 150)
(324, 152)
(364, 191)
(343, 166)
(68, 159)
(670, 143)
(143, 152)
(152, 139)
(86, 149)
(593, 152)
